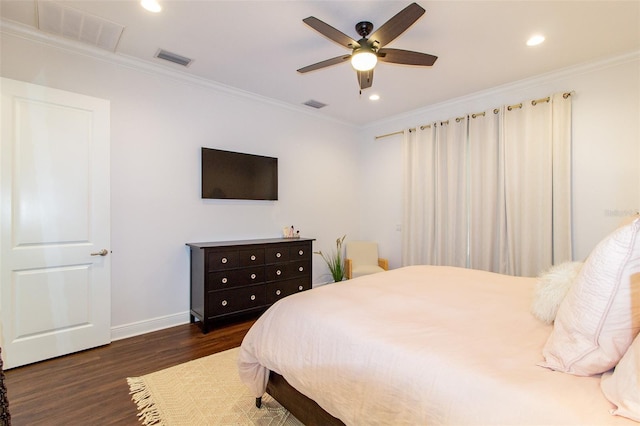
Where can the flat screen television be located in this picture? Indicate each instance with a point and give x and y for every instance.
(238, 176)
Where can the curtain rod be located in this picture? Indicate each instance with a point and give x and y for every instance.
(474, 115)
(390, 134)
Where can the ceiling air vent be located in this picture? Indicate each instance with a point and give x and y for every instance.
(78, 25)
(315, 104)
(174, 57)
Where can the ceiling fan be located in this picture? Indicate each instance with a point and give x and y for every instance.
(367, 51)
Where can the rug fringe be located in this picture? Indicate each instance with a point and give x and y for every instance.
(148, 412)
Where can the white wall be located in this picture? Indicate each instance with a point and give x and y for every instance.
(158, 124)
(606, 150)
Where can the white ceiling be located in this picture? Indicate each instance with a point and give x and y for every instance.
(257, 46)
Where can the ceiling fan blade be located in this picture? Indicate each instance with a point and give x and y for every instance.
(397, 25)
(406, 57)
(365, 79)
(325, 63)
(331, 33)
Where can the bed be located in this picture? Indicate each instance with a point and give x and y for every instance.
(421, 345)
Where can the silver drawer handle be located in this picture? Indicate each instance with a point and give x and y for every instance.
(253, 257)
(253, 297)
(278, 292)
(224, 303)
(301, 269)
(278, 254)
(223, 260)
(278, 272)
(253, 276)
(224, 280)
(300, 287)
(301, 252)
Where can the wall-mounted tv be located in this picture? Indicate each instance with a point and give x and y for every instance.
(238, 176)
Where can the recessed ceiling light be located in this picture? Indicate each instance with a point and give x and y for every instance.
(535, 40)
(374, 97)
(151, 5)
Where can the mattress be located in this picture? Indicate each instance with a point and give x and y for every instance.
(421, 345)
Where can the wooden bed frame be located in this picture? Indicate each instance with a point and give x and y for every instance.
(303, 408)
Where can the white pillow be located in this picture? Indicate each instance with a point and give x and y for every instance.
(551, 288)
(622, 387)
(600, 316)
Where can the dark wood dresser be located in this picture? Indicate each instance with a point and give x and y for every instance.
(235, 277)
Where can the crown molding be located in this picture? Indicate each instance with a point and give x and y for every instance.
(32, 34)
(35, 35)
(513, 86)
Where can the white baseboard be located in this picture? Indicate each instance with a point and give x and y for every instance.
(147, 326)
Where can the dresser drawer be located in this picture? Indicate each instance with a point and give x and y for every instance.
(277, 272)
(300, 251)
(299, 268)
(234, 278)
(238, 299)
(222, 259)
(284, 271)
(251, 257)
(279, 289)
(277, 253)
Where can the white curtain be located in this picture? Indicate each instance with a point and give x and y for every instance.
(561, 133)
(435, 199)
(491, 190)
(451, 215)
(418, 240)
(487, 231)
(537, 150)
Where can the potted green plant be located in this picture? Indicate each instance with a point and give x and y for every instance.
(334, 261)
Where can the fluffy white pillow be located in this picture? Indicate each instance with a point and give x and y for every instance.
(600, 316)
(551, 288)
(622, 387)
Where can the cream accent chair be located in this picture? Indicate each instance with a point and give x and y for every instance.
(361, 258)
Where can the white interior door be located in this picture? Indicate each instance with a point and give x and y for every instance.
(55, 295)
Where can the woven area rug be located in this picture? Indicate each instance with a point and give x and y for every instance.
(206, 391)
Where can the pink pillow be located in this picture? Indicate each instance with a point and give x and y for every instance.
(600, 316)
(622, 387)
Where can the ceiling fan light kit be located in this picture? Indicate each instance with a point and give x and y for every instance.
(366, 52)
(363, 59)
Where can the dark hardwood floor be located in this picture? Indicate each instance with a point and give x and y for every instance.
(90, 387)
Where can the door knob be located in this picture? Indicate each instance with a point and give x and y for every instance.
(102, 252)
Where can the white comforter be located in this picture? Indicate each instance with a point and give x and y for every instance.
(420, 345)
